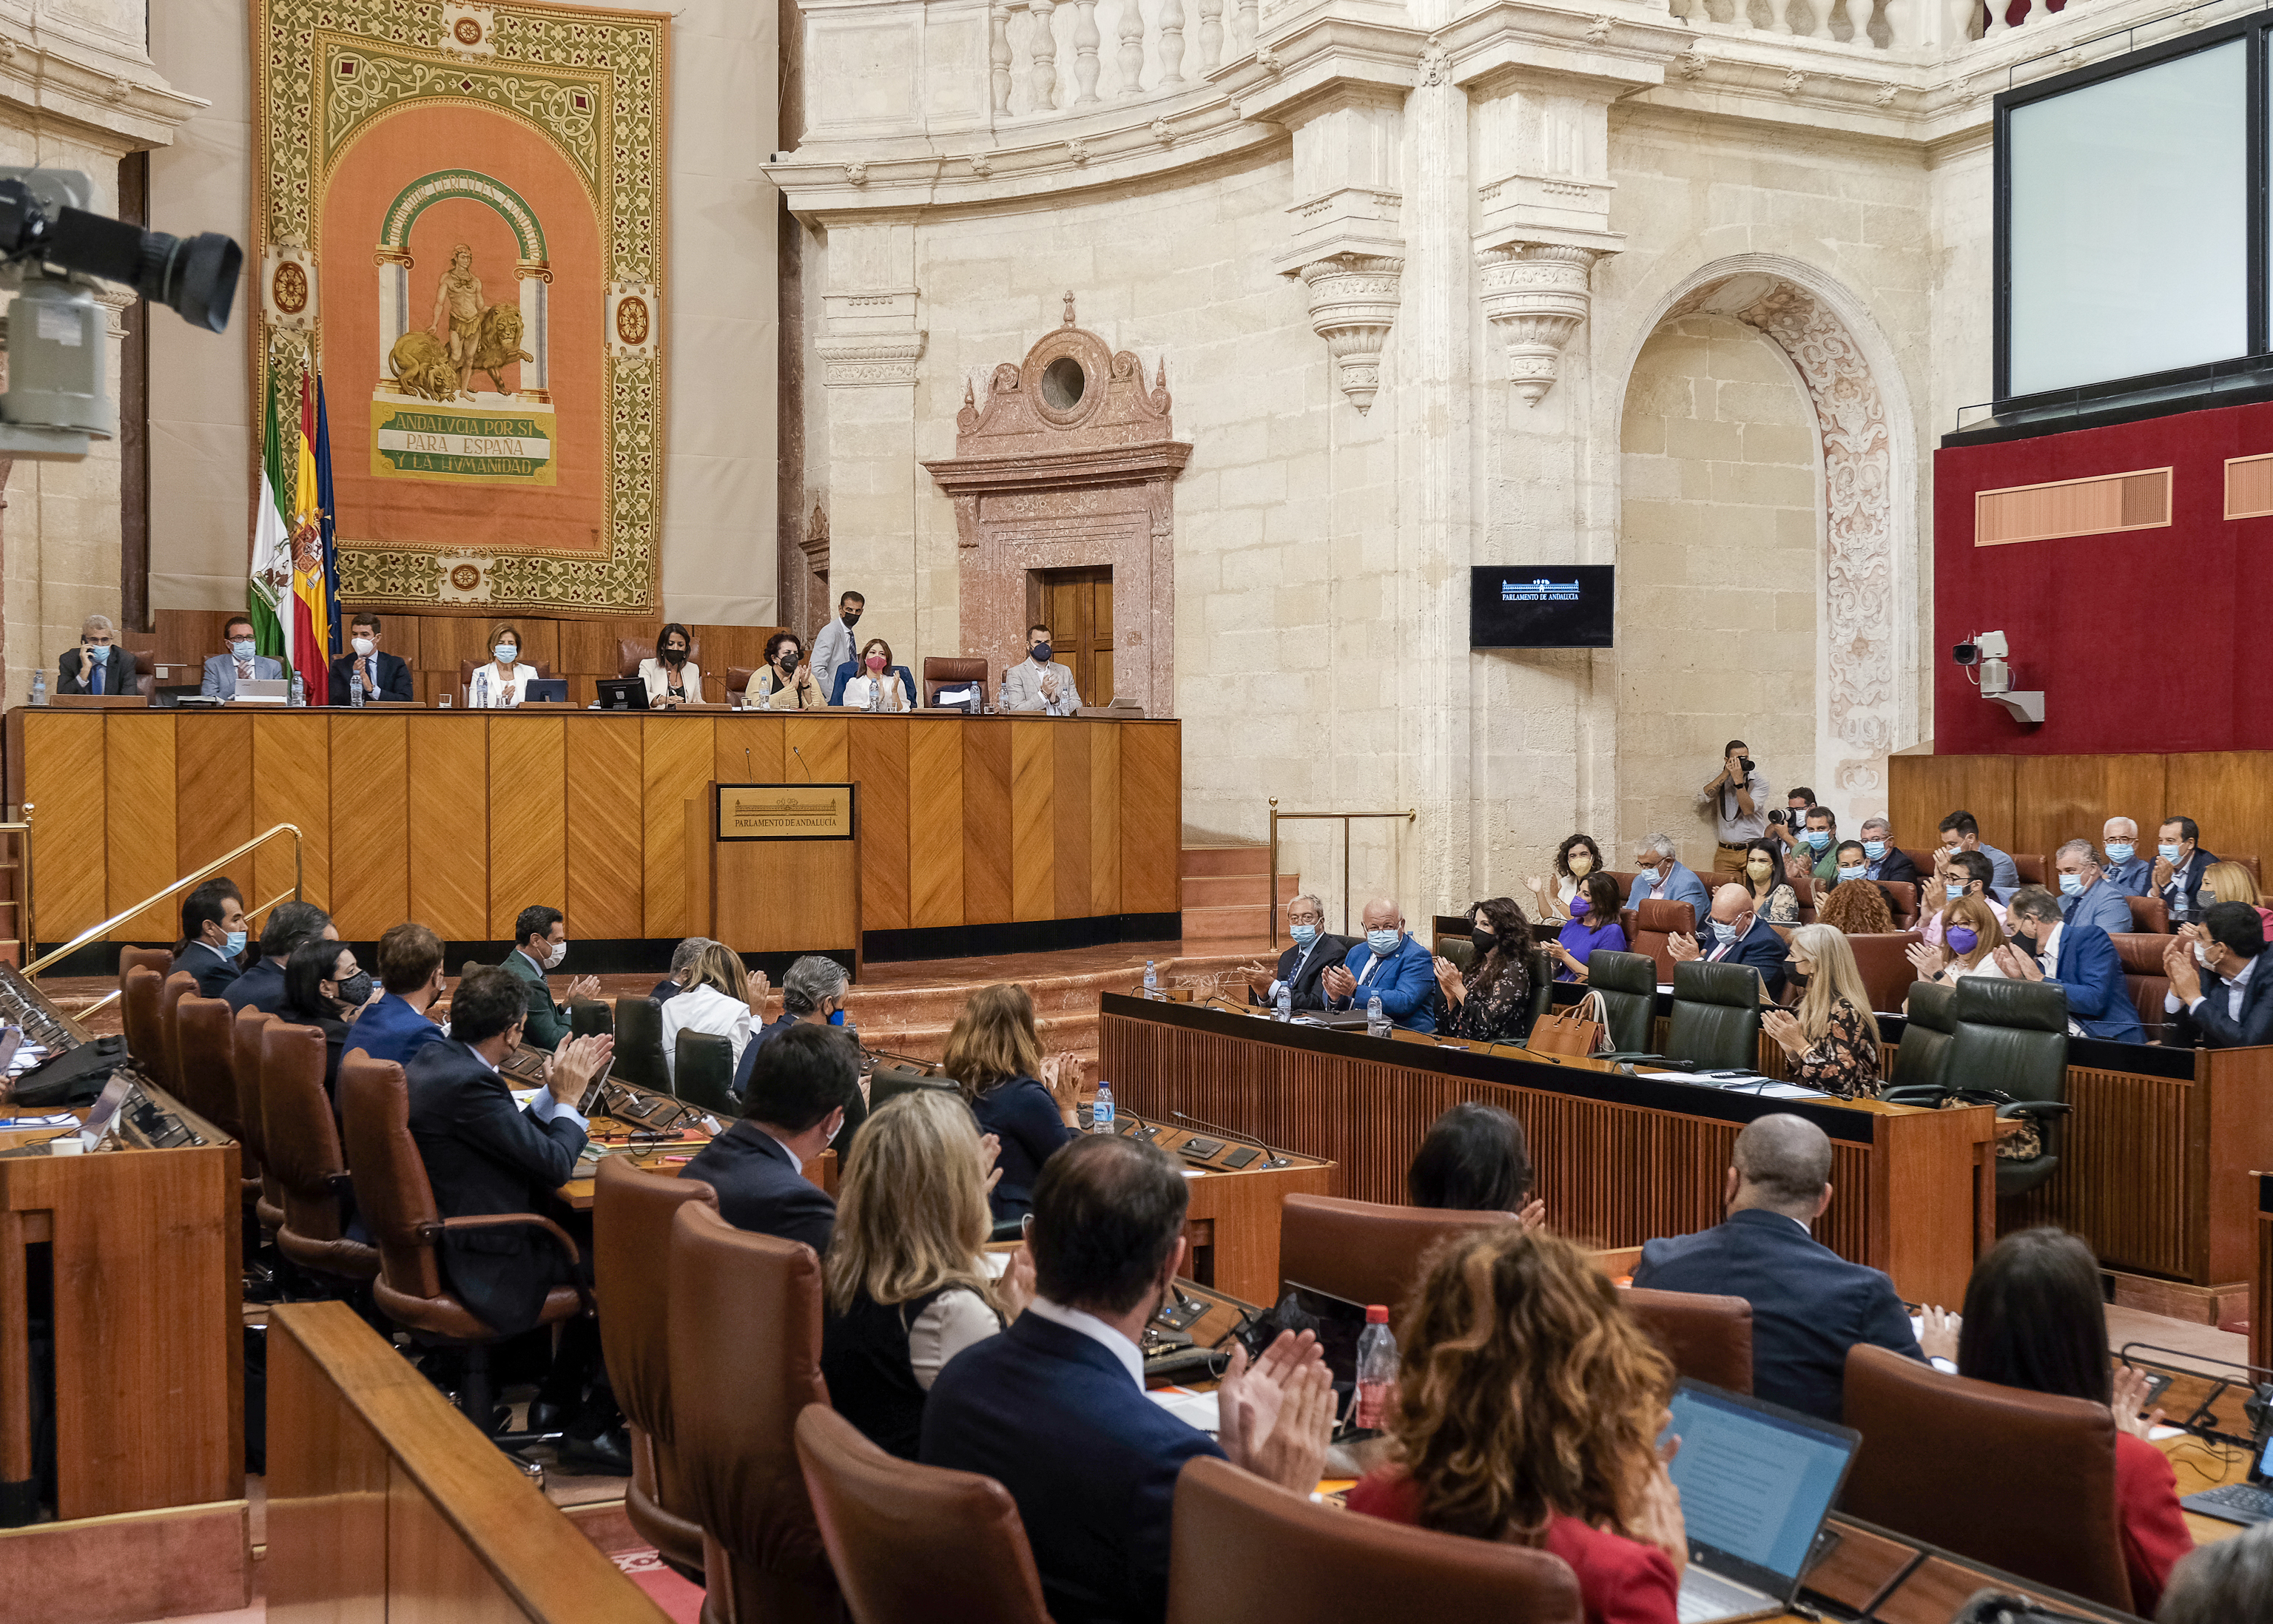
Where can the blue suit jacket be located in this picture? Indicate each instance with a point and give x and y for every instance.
(219, 681)
(2102, 905)
(2134, 877)
(1407, 983)
(1761, 948)
(1053, 1416)
(2209, 1025)
(2188, 880)
(392, 1030)
(1809, 1304)
(2099, 1001)
(759, 1190)
(213, 969)
(1679, 885)
(262, 986)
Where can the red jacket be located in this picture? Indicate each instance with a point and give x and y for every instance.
(1620, 1581)
(2154, 1528)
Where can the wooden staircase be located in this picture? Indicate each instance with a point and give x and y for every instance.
(1226, 893)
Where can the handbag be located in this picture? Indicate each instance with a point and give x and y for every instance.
(1584, 1029)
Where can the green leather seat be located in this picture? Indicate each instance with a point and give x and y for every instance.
(1922, 1059)
(1542, 986)
(639, 1044)
(1716, 1016)
(2011, 1036)
(703, 1073)
(1628, 984)
(1459, 949)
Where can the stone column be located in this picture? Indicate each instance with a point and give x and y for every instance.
(536, 278)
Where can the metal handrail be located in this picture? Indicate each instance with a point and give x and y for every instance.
(1408, 814)
(187, 881)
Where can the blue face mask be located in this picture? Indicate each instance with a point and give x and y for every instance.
(2119, 851)
(235, 943)
(1874, 850)
(836, 1017)
(99, 653)
(2071, 885)
(1852, 873)
(1303, 934)
(2169, 854)
(1383, 942)
(1818, 838)
(1952, 892)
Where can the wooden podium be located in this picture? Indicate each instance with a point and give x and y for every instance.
(778, 868)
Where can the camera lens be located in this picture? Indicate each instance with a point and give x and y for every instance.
(195, 278)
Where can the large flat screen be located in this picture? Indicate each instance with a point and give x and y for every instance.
(1540, 605)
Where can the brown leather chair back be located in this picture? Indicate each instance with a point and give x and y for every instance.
(2141, 957)
(158, 959)
(302, 1142)
(1656, 922)
(1244, 1548)
(631, 650)
(177, 986)
(738, 678)
(951, 672)
(138, 1013)
(1708, 1338)
(1803, 891)
(205, 1029)
(2030, 866)
(396, 1201)
(2251, 864)
(911, 1544)
(1883, 958)
(631, 1247)
(2022, 1481)
(251, 1120)
(745, 1361)
(1901, 896)
(1362, 1251)
(1923, 859)
(2150, 915)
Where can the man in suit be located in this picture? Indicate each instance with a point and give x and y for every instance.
(381, 676)
(213, 936)
(398, 1025)
(2086, 898)
(1961, 832)
(1302, 965)
(288, 925)
(1054, 1409)
(682, 966)
(1388, 964)
(540, 942)
(98, 665)
(237, 661)
(800, 1090)
(2236, 1010)
(1885, 860)
(1658, 877)
(2124, 868)
(2079, 957)
(1810, 1305)
(1740, 936)
(1039, 682)
(833, 648)
(2179, 860)
(484, 1157)
(813, 994)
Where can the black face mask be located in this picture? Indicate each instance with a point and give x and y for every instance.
(674, 656)
(851, 618)
(789, 663)
(355, 991)
(1041, 652)
(1484, 942)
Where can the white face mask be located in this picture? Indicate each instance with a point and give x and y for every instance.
(363, 645)
(2202, 955)
(559, 952)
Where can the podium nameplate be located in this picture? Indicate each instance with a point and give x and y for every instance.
(787, 812)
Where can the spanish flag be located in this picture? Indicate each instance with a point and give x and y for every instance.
(313, 594)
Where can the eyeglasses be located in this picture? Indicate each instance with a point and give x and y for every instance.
(1305, 918)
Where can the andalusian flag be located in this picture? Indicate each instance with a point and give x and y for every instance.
(313, 595)
(271, 581)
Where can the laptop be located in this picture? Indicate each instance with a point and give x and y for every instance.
(2245, 1503)
(623, 693)
(1756, 1482)
(546, 690)
(263, 691)
(102, 1119)
(1340, 1323)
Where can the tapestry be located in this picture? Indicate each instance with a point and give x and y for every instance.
(459, 215)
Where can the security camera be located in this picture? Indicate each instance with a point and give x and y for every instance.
(1985, 645)
(52, 249)
(1990, 652)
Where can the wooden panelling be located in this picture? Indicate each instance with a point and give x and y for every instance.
(2098, 506)
(448, 800)
(1070, 817)
(593, 647)
(1152, 817)
(879, 764)
(528, 841)
(675, 766)
(212, 795)
(986, 829)
(292, 783)
(789, 896)
(64, 784)
(934, 821)
(1922, 790)
(749, 749)
(138, 772)
(1033, 829)
(371, 853)
(814, 746)
(326, 1498)
(2058, 798)
(604, 832)
(2229, 793)
(540, 642)
(1104, 818)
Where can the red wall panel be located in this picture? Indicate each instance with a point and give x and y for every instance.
(2141, 641)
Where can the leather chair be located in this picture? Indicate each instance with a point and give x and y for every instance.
(2022, 1481)
(1656, 922)
(590, 1017)
(303, 1141)
(1716, 1017)
(1628, 982)
(952, 672)
(175, 987)
(251, 1121)
(159, 959)
(1923, 859)
(1903, 897)
(703, 1073)
(913, 1544)
(466, 676)
(2010, 1036)
(2141, 956)
(745, 1333)
(889, 1082)
(631, 1247)
(1364, 1252)
(846, 672)
(1883, 956)
(1542, 986)
(1707, 1338)
(1245, 1548)
(1803, 890)
(1922, 1057)
(208, 1073)
(639, 1044)
(737, 679)
(631, 650)
(2032, 866)
(397, 1204)
(2150, 915)
(137, 1013)
(2251, 864)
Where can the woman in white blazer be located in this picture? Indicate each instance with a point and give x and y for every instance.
(506, 683)
(671, 676)
(715, 999)
(876, 685)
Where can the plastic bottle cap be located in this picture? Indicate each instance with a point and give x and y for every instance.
(1377, 1314)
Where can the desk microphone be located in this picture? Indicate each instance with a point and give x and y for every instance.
(799, 754)
(1274, 1155)
(746, 768)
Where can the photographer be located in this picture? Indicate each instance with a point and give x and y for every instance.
(1737, 798)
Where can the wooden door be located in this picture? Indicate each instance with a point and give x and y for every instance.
(1077, 606)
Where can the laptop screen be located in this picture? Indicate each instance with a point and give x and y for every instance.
(1756, 1482)
(1340, 1323)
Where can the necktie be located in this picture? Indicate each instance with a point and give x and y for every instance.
(371, 676)
(97, 686)
(244, 669)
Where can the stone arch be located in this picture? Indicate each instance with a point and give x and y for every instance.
(1866, 637)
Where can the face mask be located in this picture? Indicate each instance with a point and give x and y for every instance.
(877, 662)
(1484, 942)
(1852, 873)
(506, 653)
(1798, 815)
(2071, 885)
(559, 952)
(1818, 838)
(1580, 865)
(1041, 652)
(674, 656)
(851, 618)
(362, 645)
(1580, 907)
(355, 990)
(836, 1017)
(1383, 942)
(99, 653)
(1798, 978)
(1732, 929)
(788, 662)
(1963, 938)
(2119, 851)
(2206, 896)
(1874, 850)
(1303, 934)
(1952, 892)
(1647, 876)
(235, 943)
(242, 648)
(2169, 854)
(1954, 848)
(1759, 868)
(2202, 955)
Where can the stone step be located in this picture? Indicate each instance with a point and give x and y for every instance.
(1236, 890)
(1253, 860)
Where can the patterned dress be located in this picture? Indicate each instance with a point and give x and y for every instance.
(1499, 1016)
(1844, 1061)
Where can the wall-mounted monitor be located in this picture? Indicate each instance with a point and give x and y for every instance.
(1540, 605)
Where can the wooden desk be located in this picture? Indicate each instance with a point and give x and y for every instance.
(1232, 1223)
(460, 818)
(385, 1503)
(2260, 1287)
(1619, 1159)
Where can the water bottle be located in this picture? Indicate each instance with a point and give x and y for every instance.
(354, 689)
(38, 688)
(299, 693)
(1286, 1002)
(1100, 1113)
(1376, 1024)
(1376, 1369)
(1152, 980)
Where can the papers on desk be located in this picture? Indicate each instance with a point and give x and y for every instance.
(1747, 1082)
(521, 1096)
(1194, 1410)
(18, 1124)
(968, 695)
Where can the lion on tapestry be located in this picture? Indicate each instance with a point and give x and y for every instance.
(423, 367)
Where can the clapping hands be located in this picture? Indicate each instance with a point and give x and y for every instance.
(1277, 1414)
(2131, 1385)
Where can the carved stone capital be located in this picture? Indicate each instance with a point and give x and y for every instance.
(1535, 295)
(1353, 300)
(867, 363)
